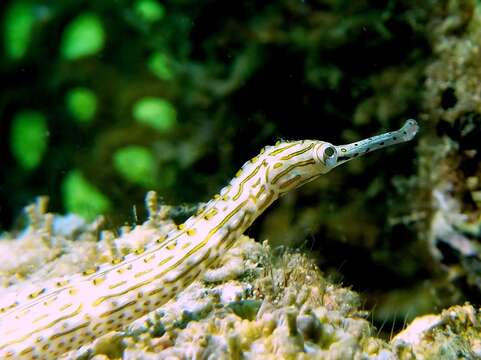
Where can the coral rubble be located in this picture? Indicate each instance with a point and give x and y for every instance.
(252, 305)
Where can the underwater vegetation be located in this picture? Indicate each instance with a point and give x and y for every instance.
(103, 101)
(156, 94)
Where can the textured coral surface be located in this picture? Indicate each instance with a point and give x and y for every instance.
(255, 304)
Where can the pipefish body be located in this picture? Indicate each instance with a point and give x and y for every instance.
(53, 320)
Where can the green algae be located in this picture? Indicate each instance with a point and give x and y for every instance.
(136, 164)
(149, 10)
(157, 113)
(83, 198)
(29, 138)
(82, 104)
(18, 24)
(245, 309)
(83, 36)
(159, 64)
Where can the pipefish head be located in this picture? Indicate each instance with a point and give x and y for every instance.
(328, 156)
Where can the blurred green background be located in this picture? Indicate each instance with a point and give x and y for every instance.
(102, 101)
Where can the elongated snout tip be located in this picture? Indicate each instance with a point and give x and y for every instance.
(410, 129)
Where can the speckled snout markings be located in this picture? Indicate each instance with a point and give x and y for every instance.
(77, 310)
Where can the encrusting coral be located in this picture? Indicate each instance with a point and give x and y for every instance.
(447, 202)
(252, 305)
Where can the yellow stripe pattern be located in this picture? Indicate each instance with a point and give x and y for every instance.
(112, 295)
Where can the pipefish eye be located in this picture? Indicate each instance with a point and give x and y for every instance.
(326, 154)
(329, 155)
(329, 152)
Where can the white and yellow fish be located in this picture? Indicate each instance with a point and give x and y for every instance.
(53, 320)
